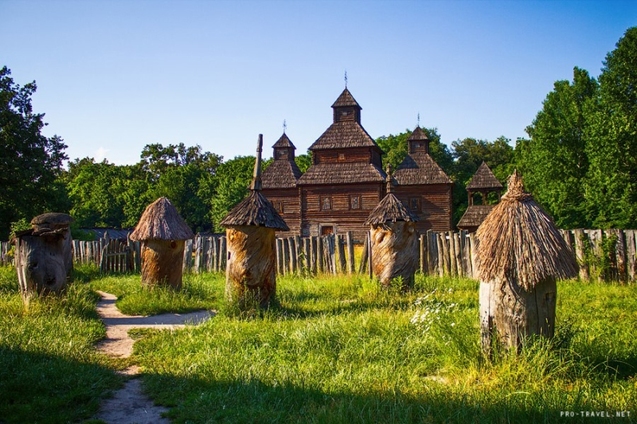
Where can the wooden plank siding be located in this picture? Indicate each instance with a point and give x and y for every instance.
(434, 205)
(341, 216)
(288, 205)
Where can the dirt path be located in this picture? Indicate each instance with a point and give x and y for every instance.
(129, 405)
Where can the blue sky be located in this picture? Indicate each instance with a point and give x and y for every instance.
(114, 76)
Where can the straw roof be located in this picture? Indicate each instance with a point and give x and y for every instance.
(390, 209)
(474, 216)
(342, 173)
(519, 242)
(484, 178)
(420, 168)
(161, 221)
(255, 210)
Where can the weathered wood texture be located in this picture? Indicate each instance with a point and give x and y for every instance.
(162, 263)
(117, 256)
(395, 253)
(40, 263)
(432, 205)
(430, 257)
(251, 266)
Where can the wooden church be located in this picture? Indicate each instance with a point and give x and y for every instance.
(346, 180)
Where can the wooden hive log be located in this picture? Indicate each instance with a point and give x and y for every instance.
(521, 255)
(250, 232)
(394, 240)
(162, 232)
(44, 255)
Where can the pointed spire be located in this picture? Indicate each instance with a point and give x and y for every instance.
(256, 178)
(285, 126)
(345, 78)
(388, 179)
(418, 125)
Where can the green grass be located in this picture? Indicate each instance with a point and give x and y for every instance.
(340, 350)
(333, 350)
(49, 370)
(199, 291)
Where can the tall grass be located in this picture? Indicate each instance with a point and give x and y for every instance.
(342, 350)
(332, 350)
(49, 370)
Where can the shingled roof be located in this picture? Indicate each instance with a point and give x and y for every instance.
(484, 178)
(420, 168)
(342, 173)
(418, 135)
(284, 141)
(346, 99)
(344, 134)
(281, 174)
(474, 215)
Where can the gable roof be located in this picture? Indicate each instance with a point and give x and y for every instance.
(390, 209)
(342, 173)
(284, 141)
(484, 178)
(280, 174)
(346, 99)
(344, 134)
(420, 168)
(474, 215)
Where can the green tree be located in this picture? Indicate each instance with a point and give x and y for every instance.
(554, 161)
(469, 154)
(95, 189)
(611, 181)
(303, 161)
(30, 163)
(232, 181)
(395, 148)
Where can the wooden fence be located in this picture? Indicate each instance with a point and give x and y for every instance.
(603, 255)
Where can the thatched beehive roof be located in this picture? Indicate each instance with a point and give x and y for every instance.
(161, 221)
(255, 210)
(390, 209)
(484, 179)
(518, 241)
(420, 168)
(51, 221)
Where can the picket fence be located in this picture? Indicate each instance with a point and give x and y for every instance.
(603, 255)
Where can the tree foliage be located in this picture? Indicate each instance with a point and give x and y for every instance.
(611, 183)
(30, 163)
(554, 160)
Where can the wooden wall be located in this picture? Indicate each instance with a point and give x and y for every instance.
(351, 155)
(435, 205)
(341, 216)
(288, 200)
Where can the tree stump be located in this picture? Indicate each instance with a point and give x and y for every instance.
(162, 263)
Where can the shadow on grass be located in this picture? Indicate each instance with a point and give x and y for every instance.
(256, 402)
(40, 388)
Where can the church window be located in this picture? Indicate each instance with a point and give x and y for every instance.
(354, 202)
(414, 204)
(326, 203)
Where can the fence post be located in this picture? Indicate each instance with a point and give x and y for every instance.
(351, 266)
(631, 260)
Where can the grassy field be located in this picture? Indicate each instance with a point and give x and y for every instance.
(335, 349)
